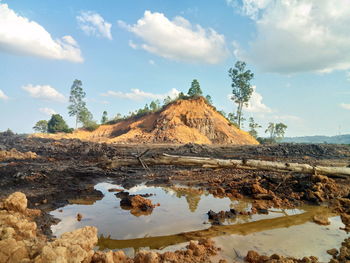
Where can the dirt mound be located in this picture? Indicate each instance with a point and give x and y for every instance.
(183, 121)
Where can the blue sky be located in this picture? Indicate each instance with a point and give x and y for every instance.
(129, 52)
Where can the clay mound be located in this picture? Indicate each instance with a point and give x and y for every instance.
(184, 121)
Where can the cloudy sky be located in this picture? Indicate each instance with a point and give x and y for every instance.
(128, 53)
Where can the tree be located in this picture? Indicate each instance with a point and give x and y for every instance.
(57, 124)
(41, 126)
(280, 130)
(271, 130)
(276, 130)
(167, 100)
(77, 105)
(195, 89)
(154, 105)
(241, 88)
(209, 100)
(85, 117)
(252, 127)
(104, 118)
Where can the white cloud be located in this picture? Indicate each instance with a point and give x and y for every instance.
(137, 94)
(255, 104)
(298, 36)
(47, 111)
(44, 92)
(93, 24)
(21, 36)
(151, 62)
(345, 106)
(177, 39)
(3, 96)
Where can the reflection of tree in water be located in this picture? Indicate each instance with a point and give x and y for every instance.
(240, 206)
(192, 195)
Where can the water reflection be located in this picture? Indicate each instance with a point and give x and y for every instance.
(182, 216)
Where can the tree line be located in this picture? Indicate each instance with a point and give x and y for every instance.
(242, 91)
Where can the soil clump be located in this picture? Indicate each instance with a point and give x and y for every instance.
(137, 204)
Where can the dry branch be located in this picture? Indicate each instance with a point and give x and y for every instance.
(206, 162)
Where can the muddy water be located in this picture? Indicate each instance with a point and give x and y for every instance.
(181, 217)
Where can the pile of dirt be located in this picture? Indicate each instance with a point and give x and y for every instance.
(183, 121)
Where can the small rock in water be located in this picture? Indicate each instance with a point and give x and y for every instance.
(321, 220)
(115, 190)
(79, 217)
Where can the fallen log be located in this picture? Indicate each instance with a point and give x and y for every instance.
(205, 162)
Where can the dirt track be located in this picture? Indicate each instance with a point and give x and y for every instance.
(68, 169)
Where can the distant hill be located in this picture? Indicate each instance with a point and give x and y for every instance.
(182, 121)
(339, 139)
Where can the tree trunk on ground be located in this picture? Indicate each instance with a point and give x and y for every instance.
(205, 162)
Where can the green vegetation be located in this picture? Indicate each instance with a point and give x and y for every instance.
(77, 105)
(104, 118)
(41, 126)
(276, 131)
(195, 89)
(252, 127)
(241, 88)
(338, 139)
(57, 124)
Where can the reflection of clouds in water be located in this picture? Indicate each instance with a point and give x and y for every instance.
(69, 223)
(103, 187)
(138, 188)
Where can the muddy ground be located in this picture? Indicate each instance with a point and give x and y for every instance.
(68, 169)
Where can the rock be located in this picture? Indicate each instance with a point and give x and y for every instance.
(16, 202)
(257, 189)
(79, 217)
(72, 247)
(332, 252)
(147, 257)
(13, 251)
(321, 220)
(103, 257)
(252, 257)
(115, 190)
(217, 218)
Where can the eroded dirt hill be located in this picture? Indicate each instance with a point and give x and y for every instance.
(183, 121)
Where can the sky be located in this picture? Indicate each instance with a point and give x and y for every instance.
(128, 53)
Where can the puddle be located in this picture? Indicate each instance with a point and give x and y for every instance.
(182, 216)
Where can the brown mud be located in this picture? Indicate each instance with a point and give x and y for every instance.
(65, 171)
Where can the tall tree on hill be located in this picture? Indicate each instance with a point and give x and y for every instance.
(77, 105)
(195, 89)
(41, 126)
(57, 124)
(104, 118)
(241, 88)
